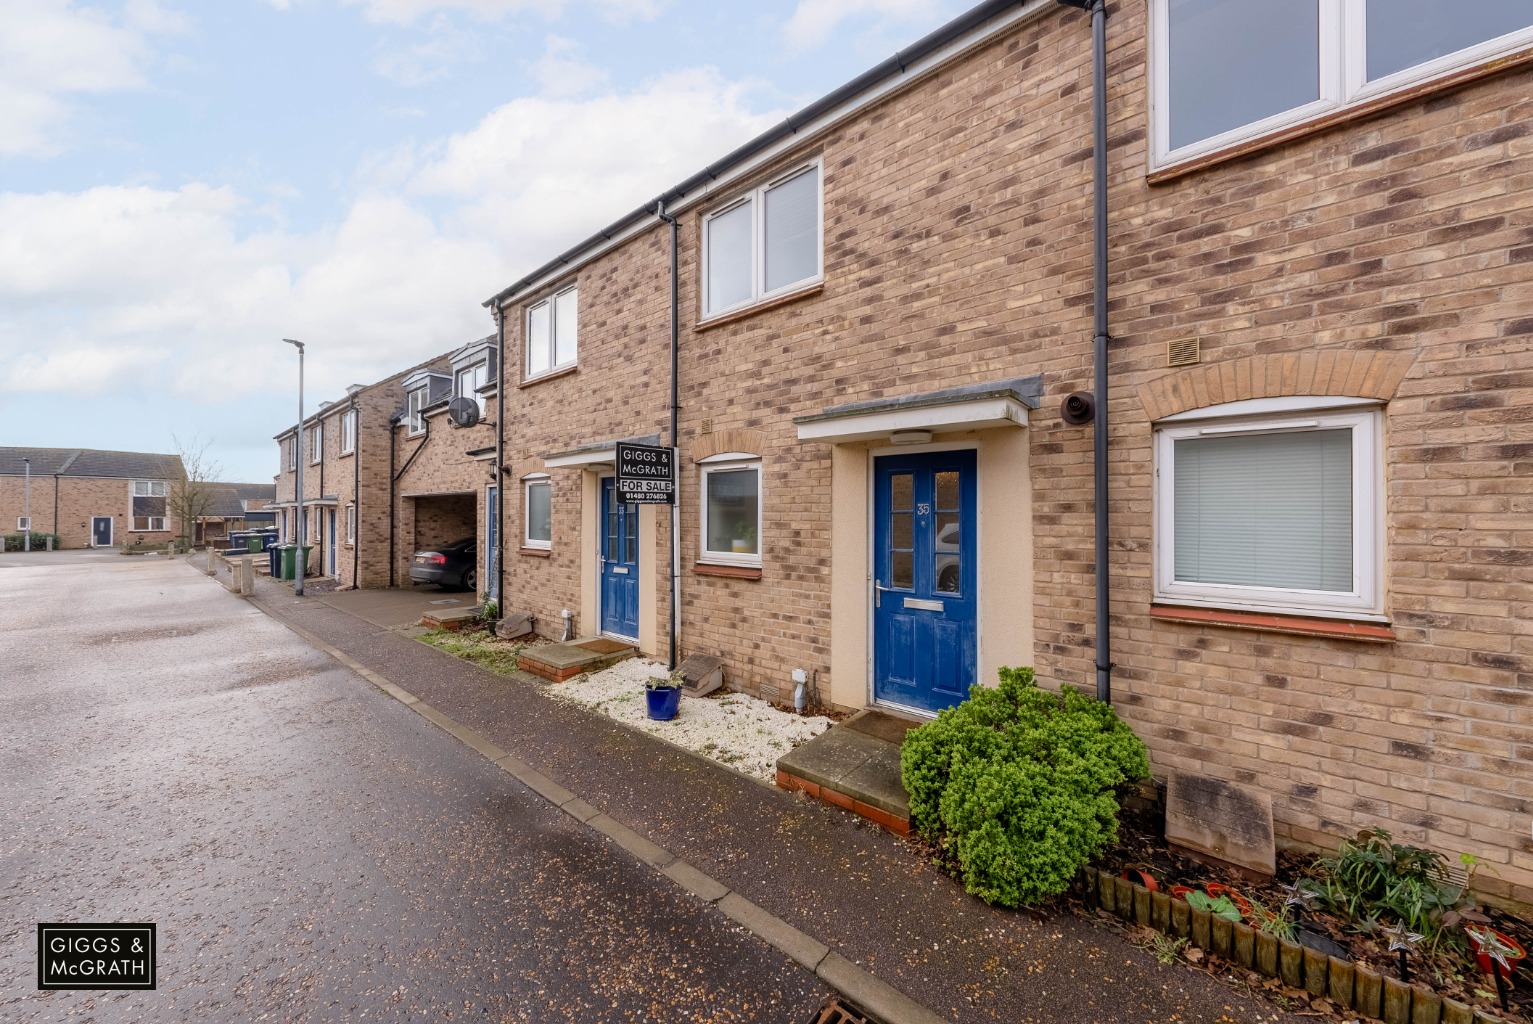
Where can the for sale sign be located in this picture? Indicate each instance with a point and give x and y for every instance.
(646, 474)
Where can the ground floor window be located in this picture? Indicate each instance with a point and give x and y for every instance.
(23, 522)
(1271, 506)
(149, 524)
(539, 513)
(351, 524)
(732, 511)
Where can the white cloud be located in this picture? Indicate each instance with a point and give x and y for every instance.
(405, 12)
(561, 75)
(444, 50)
(814, 21)
(52, 51)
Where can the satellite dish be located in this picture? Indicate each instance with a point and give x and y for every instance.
(463, 412)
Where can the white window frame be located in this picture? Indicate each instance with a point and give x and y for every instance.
(1366, 601)
(415, 422)
(317, 443)
(757, 199)
(528, 483)
(730, 462)
(150, 526)
(481, 370)
(148, 489)
(23, 524)
(1343, 74)
(291, 444)
(351, 524)
(552, 303)
(349, 432)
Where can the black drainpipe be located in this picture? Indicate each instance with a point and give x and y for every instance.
(1098, 9)
(500, 460)
(394, 478)
(675, 408)
(356, 489)
(55, 530)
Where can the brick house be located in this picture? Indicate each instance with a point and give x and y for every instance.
(1320, 242)
(445, 485)
(234, 507)
(90, 498)
(346, 482)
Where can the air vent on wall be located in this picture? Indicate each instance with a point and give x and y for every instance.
(1182, 352)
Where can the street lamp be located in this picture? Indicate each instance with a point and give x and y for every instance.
(299, 566)
(26, 543)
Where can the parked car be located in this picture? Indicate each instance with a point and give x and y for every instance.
(448, 565)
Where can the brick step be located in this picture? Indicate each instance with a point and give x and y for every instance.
(558, 662)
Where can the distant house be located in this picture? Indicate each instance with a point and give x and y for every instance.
(235, 507)
(89, 498)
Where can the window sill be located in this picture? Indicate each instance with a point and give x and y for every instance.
(550, 375)
(739, 572)
(536, 552)
(1335, 629)
(708, 323)
(1343, 115)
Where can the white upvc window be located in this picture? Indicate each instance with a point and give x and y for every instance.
(553, 333)
(317, 443)
(765, 243)
(1274, 505)
(538, 512)
(415, 423)
(23, 524)
(348, 431)
(470, 379)
(731, 506)
(149, 488)
(291, 446)
(351, 524)
(1229, 70)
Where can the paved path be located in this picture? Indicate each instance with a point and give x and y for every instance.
(310, 848)
(863, 893)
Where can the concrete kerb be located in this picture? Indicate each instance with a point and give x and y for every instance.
(883, 1002)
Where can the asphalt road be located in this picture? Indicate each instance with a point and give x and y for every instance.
(309, 848)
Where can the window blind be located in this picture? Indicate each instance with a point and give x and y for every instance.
(1265, 510)
(792, 230)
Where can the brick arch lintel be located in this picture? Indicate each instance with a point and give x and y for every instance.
(740, 439)
(1374, 375)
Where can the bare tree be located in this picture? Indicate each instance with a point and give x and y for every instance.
(189, 498)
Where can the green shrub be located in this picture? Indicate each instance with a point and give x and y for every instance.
(17, 541)
(1019, 785)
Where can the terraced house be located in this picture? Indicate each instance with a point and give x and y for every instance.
(1318, 288)
(90, 498)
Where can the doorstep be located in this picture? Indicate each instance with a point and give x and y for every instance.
(561, 661)
(854, 766)
(453, 620)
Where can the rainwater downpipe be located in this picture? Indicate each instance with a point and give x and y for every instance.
(501, 475)
(675, 450)
(1098, 10)
(356, 489)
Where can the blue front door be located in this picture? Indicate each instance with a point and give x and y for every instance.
(619, 564)
(926, 595)
(492, 551)
(330, 543)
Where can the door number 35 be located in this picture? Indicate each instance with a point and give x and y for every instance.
(923, 508)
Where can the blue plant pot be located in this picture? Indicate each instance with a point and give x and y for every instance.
(662, 703)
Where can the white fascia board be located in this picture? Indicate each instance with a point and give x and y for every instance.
(596, 457)
(985, 414)
(804, 136)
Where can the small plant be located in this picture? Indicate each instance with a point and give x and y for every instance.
(1375, 881)
(669, 682)
(1218, 906)
(1020, 785)
(1272, 922)
(1166, 949)
(491, 610)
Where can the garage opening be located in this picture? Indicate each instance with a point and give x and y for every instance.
(442, 520)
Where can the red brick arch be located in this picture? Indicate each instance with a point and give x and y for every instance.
(1341, 373)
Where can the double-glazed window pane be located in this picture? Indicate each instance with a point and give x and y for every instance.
(566, 327)
(540, 528)
(1265, 510)
(417, 401)
(539, 328)
(729, 257)
(1234, 62)
(1405, 33)
(902, 533)
(734, 510)
(793, 230)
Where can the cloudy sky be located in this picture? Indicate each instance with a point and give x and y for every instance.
(185, 182)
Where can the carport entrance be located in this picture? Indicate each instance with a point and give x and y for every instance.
(443, 518)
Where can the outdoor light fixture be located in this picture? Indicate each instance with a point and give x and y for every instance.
(911, 437)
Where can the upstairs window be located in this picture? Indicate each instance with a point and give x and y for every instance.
(415, 402)
(348, 431)
(553, 333)
(148, 513)
(291, 445)
(765, 243)
(1276, 511)
(470, 380)
(317, 443)
(1230, 70)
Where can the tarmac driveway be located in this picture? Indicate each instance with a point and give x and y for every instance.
(310, 848)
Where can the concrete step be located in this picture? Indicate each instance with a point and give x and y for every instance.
(856, 767)
(558, 662)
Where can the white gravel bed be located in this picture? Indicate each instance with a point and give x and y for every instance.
(744, 732)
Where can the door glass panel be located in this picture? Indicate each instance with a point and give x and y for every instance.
(947, 567)
(902, 573)
(947, 492)
(902, 492)
(902, 535)
(632, 531)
